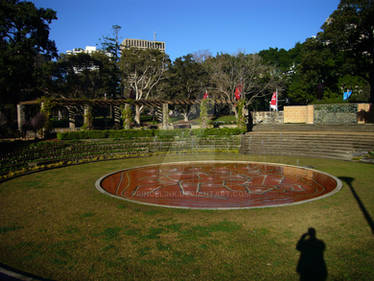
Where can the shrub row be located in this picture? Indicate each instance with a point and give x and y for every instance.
(133, 133)
(40, 167)
(46, 152)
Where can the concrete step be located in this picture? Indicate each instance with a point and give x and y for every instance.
(341, 145)
(321, 144)
(302, 153)
(314, 127)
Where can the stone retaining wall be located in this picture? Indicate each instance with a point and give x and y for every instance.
(335, 114)
(319, 114)
(268, 117)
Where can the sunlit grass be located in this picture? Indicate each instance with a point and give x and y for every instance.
(55, 224)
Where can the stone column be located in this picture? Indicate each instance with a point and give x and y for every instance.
(21, 118)
(87, 115)
(165, 116)
(117, 116)
(59, 114)
(71, 115)
(127, 117)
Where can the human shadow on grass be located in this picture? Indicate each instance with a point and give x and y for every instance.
(311, 265)
(349, 181)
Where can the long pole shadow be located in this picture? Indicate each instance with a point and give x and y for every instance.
(348, 181)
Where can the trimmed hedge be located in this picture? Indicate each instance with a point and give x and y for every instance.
(133, 133)
(102, 134)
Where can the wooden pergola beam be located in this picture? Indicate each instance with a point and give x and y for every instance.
(119, 102)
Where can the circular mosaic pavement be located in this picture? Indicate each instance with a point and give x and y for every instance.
(218, 185)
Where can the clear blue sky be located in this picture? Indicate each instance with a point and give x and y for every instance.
(188, 26)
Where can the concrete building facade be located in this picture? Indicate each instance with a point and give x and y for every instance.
(143, 44)
(88, 50)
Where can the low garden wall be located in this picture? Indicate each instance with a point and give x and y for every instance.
(335, 114)
(299, 114)
(267, 117)
(92, 145)
(319, 114)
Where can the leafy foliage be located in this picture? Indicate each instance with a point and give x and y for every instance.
(134, 133)
(204, 113)
(241, 117)
(350, 31)
(186, 79)
(256, 78)
(322, 67)
(85, 76)
(142, 70)
(25, 49)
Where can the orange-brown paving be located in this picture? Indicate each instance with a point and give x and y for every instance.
(219, 185)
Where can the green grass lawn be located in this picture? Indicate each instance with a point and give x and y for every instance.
(55, 224)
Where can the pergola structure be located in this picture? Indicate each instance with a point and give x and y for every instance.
(116, 104)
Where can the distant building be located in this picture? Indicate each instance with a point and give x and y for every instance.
(143, 44)
(88, 50)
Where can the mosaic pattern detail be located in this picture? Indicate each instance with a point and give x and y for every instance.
(218, 185)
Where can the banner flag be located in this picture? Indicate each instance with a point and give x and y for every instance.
(347, 94)
(238, 91)
(274, 101)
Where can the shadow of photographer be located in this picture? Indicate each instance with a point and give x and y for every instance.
(311, 265)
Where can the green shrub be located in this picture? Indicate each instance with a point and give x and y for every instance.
(133, 133)
(217, 131)
(172, 133)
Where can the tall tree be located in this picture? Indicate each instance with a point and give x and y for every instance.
(187, 79)
(142, 70)
(255, 78)
(350, 29)
(316, 74)
(111, 46)
(280, 58)
(84, 75)
(24, 49)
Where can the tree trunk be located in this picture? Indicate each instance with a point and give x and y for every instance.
(185, 116)
(137, 114)
(233, 108)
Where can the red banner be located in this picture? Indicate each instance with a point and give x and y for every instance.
(238, 91)
(274, 101)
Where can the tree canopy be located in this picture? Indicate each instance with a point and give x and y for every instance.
(186, 79)
(25, 47)
(142, 70)
(350, 30)
(245, 71)
(84, 76)
(318, 69)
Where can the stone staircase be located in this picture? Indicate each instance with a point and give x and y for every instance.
(338, 142)
(313, 128)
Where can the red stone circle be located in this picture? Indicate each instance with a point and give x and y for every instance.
(218, 185)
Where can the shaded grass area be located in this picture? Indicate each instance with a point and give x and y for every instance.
(55, 224)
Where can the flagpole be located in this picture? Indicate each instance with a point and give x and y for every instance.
(276, 90)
